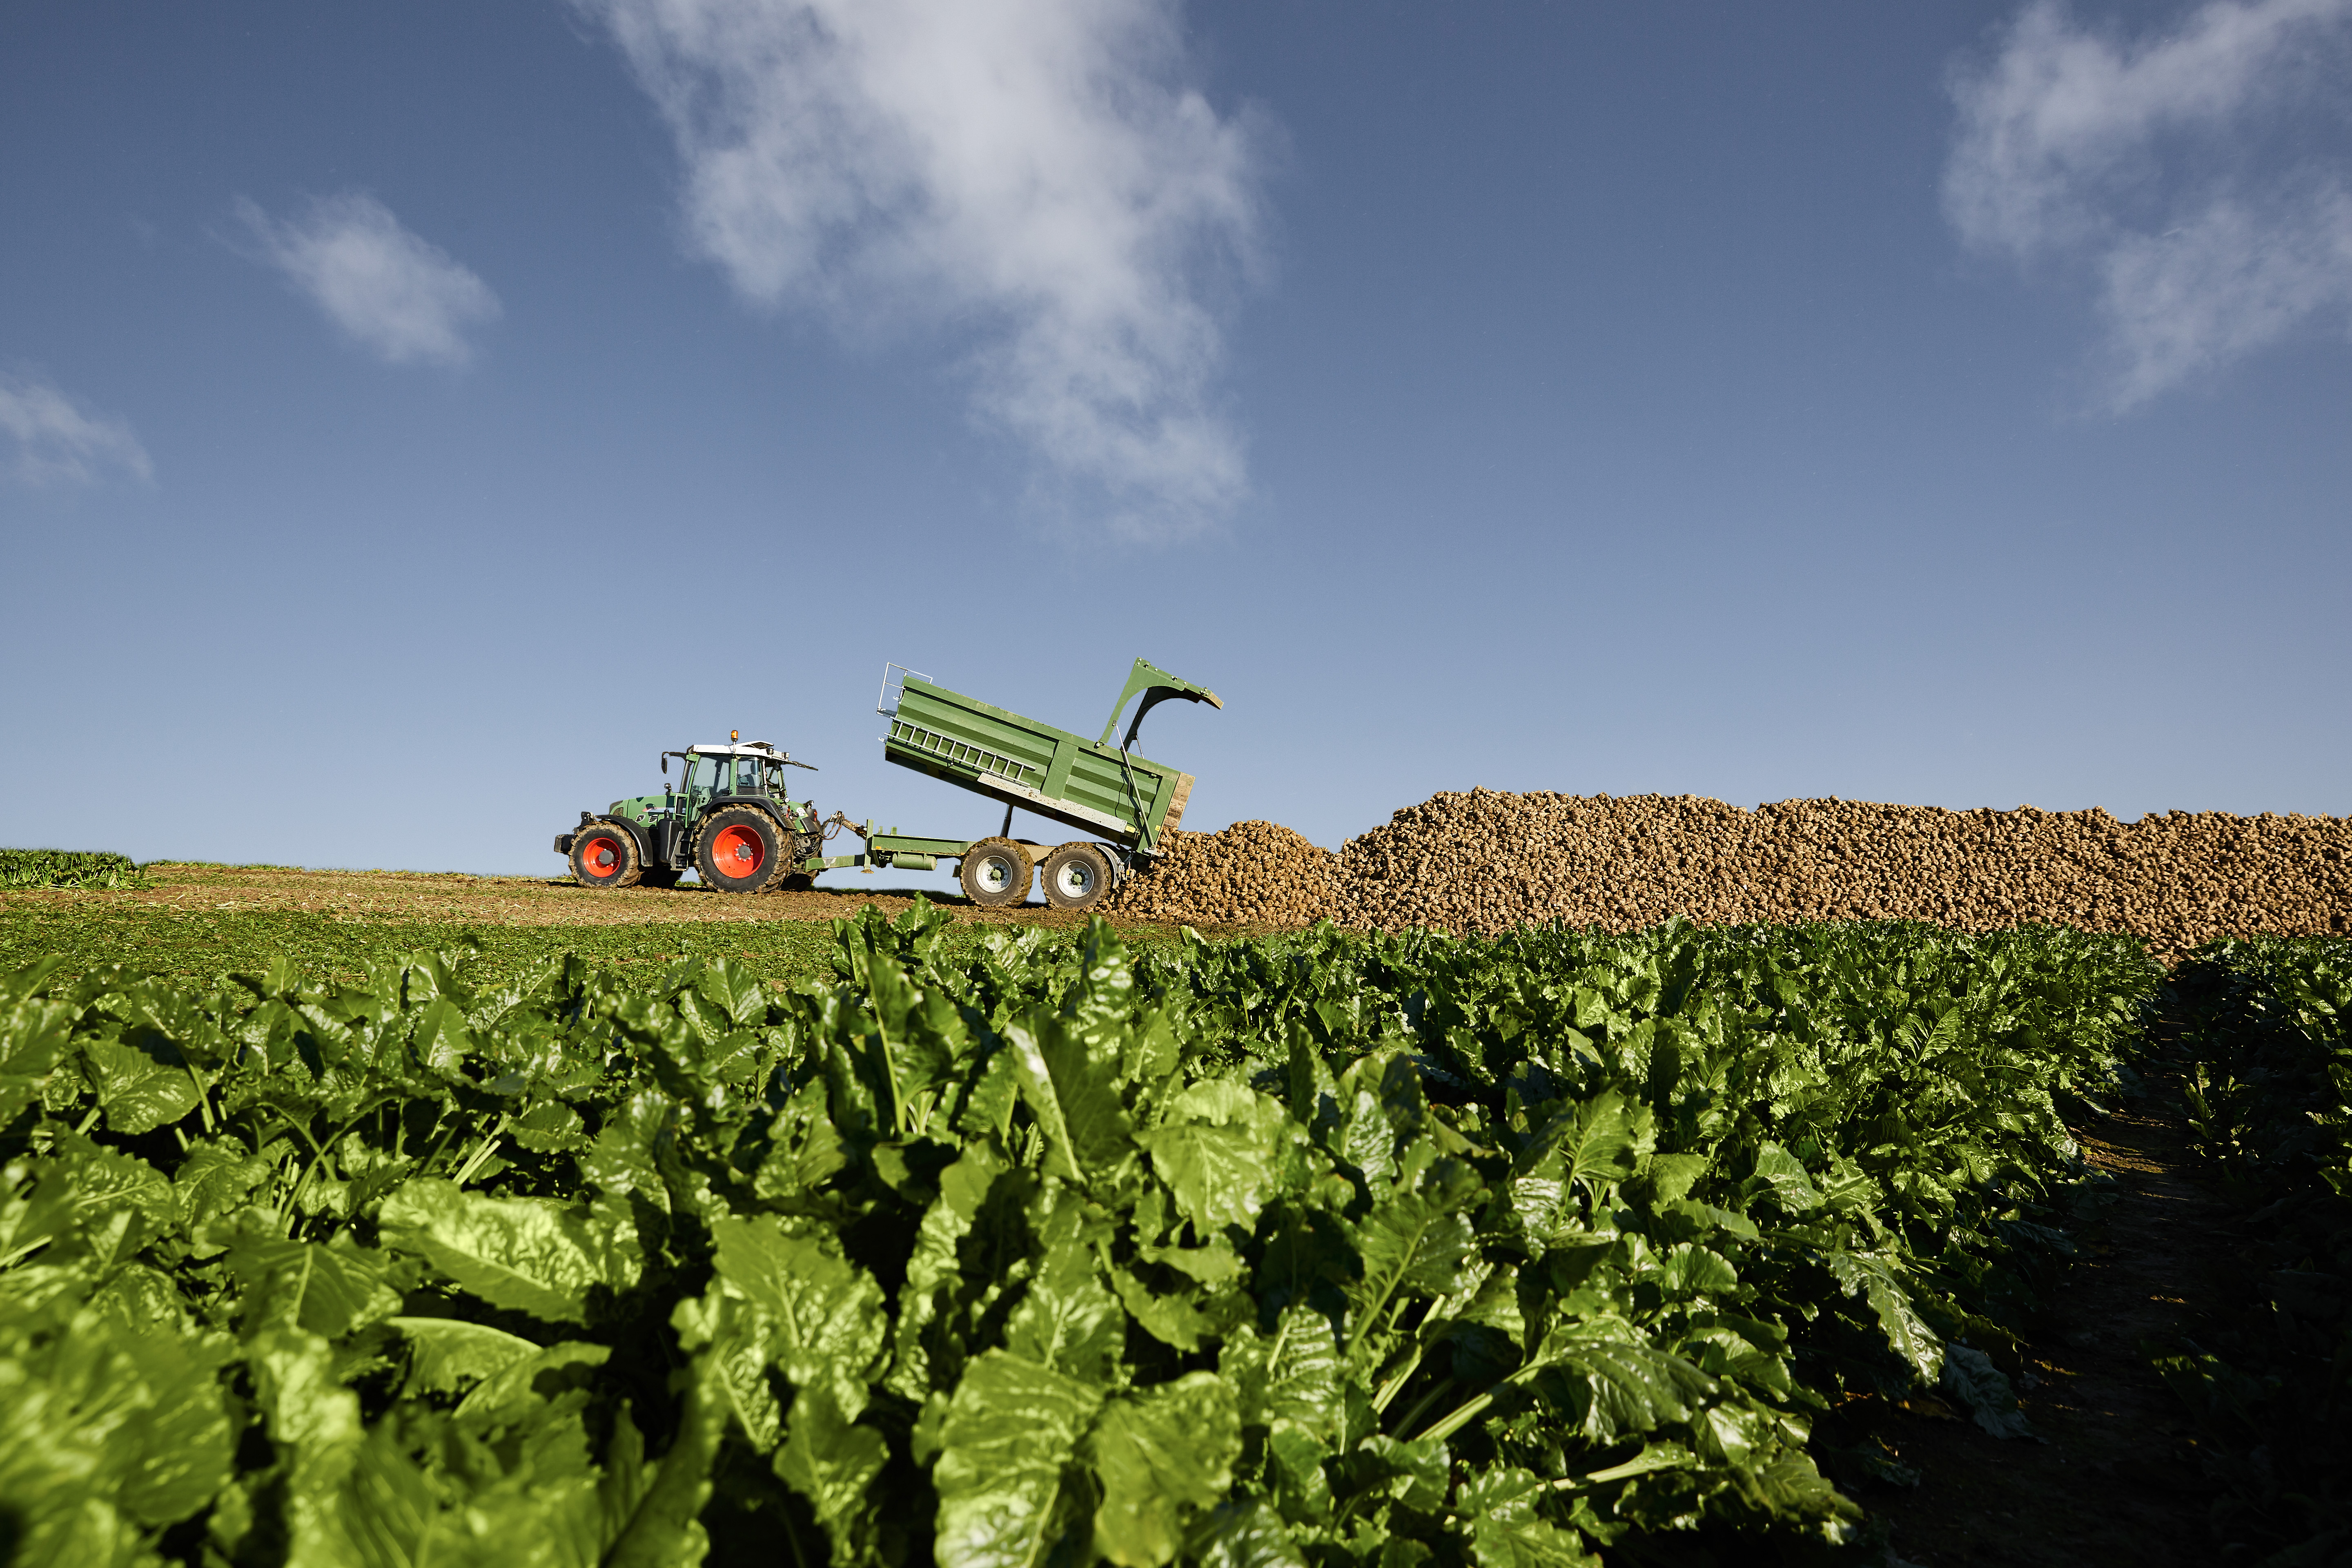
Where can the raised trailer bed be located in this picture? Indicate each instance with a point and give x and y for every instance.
(1129, 803)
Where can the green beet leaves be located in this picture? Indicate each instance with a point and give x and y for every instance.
(1323, 1248)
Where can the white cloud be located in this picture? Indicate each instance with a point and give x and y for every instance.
(2158, 166)
(1034, 172)
(58, 440)
(397, 294)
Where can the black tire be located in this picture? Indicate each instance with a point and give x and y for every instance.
(806, 847)
(739, 850)
(1077, 877)
(605, 856)
(996, 874)
(658, 877)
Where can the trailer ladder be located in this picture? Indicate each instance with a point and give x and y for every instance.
(894, 687)
(1012, 769)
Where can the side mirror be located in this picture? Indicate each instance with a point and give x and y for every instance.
(665, 762)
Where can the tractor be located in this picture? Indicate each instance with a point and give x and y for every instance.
(730, 819)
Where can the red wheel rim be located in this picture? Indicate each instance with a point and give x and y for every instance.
(737, 851)
(600, 858)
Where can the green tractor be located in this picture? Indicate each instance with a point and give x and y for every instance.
(730, 819)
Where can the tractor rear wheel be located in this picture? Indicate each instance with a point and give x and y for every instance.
(803, 847)
(995, 874)
(739, 850)
(604, 856)
(1076, 877)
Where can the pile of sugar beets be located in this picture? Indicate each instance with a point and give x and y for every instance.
(1486, 861)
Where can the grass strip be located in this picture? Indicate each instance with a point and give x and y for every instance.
(201, 947)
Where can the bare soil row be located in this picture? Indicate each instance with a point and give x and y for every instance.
(1486, 860)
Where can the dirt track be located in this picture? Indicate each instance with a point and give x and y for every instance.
(2112, 1475)
(501, 900)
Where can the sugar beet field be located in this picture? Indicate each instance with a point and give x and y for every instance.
(1539, 1181)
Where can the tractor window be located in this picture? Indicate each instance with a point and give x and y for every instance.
(747, 772)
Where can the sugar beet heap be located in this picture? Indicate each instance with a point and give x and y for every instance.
(1484, 860)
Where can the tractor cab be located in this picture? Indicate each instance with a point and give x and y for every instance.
(751, 772)
(713, 773)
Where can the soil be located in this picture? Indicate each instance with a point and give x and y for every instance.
(185, 889)
(2114, 1478)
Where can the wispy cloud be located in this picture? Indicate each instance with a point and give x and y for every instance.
(58, 440)
(1035, 172)
(2166, 166)
(398, 295)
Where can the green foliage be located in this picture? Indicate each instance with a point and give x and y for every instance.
(66, 868)
(201, 945)
(2267, 1026)
(1320, 1248)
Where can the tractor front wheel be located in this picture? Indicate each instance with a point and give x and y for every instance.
(995, 873)
(604, 856)
(739, 850)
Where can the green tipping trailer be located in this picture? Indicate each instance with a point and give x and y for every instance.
(1100, 787)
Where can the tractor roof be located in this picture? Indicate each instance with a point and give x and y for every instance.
(760, 749)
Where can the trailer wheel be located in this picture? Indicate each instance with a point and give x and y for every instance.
(1077, 875)
(995, 873)
(604, 856)
(739, 850)
(658, 877)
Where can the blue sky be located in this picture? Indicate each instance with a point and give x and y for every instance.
(413, 418)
